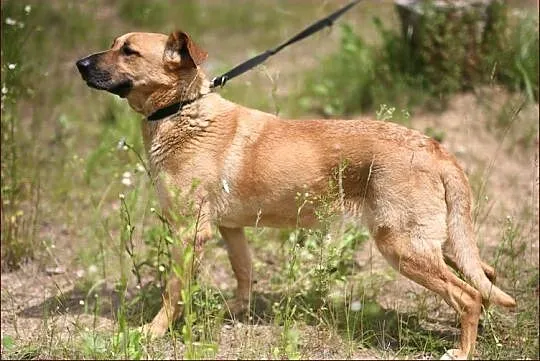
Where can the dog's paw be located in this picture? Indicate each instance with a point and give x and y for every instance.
(237, 306)
(454, 354)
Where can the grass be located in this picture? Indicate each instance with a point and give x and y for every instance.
(76, 198)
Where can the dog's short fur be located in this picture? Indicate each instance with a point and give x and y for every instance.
(410, 192)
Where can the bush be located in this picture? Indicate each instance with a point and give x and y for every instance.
(511, 50)
(447, 54)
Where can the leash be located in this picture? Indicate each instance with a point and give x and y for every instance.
(253, 62)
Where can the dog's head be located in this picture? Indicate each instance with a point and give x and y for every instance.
(145, 67)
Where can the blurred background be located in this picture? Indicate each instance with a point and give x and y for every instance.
(465, 74)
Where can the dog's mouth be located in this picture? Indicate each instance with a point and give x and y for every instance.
(121, 88)
(101, 79)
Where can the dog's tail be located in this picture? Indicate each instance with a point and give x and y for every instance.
(461, 241)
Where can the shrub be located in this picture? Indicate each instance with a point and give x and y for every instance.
(446, 54)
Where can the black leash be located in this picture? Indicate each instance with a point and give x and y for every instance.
(253, 62)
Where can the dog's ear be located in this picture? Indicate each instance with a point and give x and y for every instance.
(181, 51)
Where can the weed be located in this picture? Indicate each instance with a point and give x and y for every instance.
(21, 188)
(523, 281)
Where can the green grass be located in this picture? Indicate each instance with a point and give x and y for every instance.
(67, 200)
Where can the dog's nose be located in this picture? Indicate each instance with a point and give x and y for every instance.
(83, 65)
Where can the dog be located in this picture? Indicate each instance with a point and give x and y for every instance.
(404, 186)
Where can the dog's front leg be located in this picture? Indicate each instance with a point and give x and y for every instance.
(240, 258)
(185, 267)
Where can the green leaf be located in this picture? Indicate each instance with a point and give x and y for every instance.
(7, 342)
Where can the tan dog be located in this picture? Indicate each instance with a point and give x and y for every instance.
(410, 192)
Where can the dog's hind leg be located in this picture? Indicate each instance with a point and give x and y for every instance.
(423, 263)
(240, 258)
(489, 271)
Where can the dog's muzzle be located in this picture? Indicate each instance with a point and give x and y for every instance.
(101, 79)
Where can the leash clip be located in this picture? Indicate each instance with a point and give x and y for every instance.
(219, 81)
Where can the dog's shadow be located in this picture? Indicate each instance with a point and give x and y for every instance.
(137, 304)
(370, 323)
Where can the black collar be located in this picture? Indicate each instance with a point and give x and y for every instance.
(169, 110)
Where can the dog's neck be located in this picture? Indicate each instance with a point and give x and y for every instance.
(186, 89)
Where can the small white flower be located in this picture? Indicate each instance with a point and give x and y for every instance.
(27, 9)
(152, 210)
(53, 246)
(356, 306)
(11, 66)
(138, 287)
(92, 269)
(4, 90)
(11, 21)
(161, 268)
(140, 167)
(121, 196)
(121, 143)
(126, 181)
(81, 302)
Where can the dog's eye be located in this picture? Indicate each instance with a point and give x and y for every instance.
(126, 50)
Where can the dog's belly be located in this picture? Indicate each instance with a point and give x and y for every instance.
(266, 213)
(292, 209)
